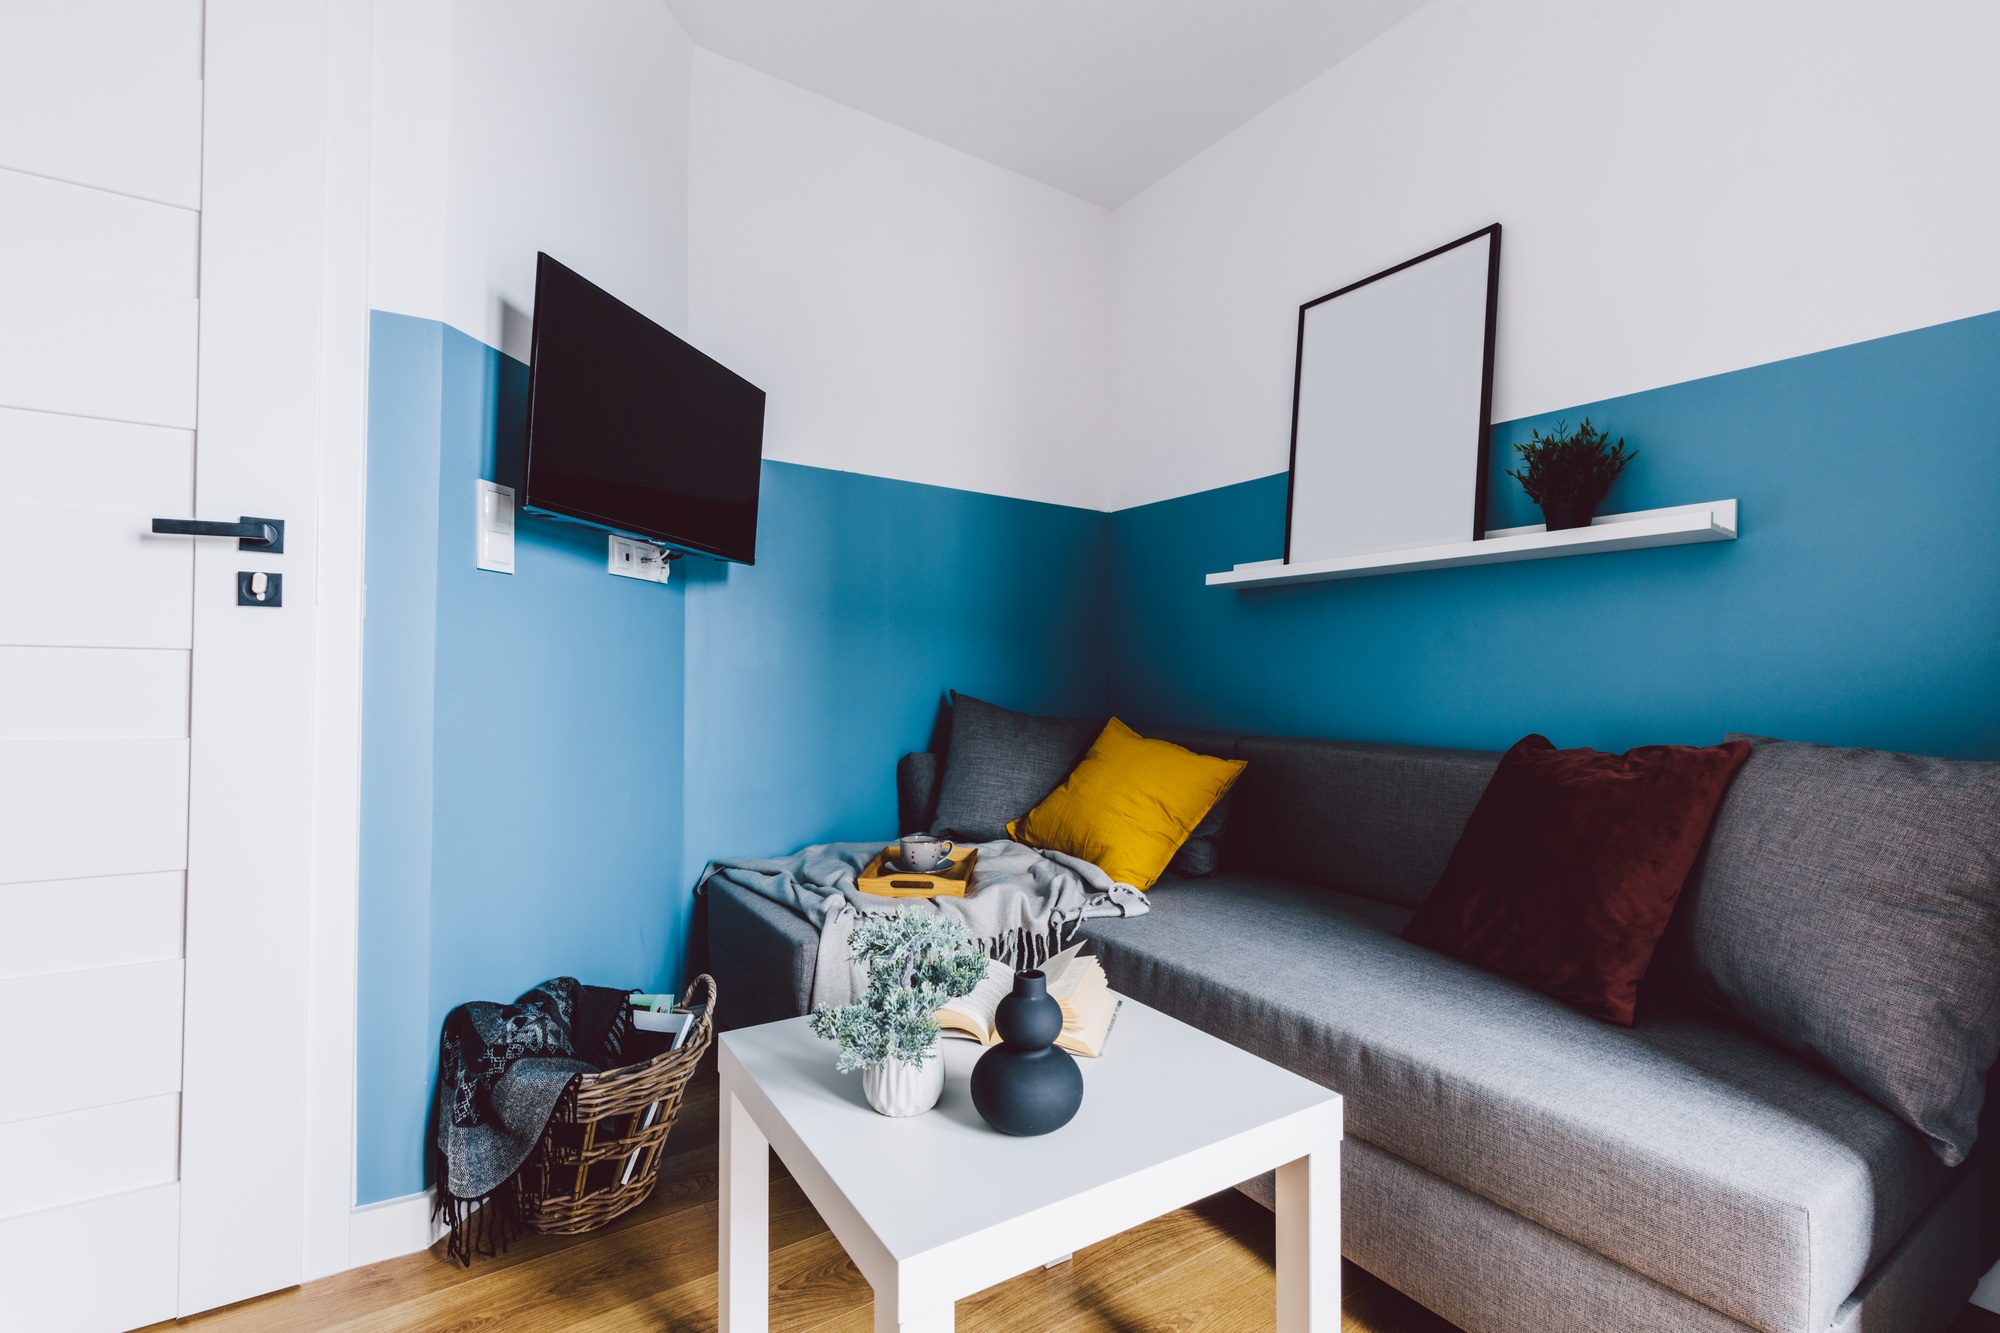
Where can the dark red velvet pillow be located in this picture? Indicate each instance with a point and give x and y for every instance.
(1570, 865)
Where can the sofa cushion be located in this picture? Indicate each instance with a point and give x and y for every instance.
(1508, 1275)
(1848, 906)
(1201, 854)
(1129, 805)
(1702, 1156)
(1377, 820)
(1000, 764)
(1569, 868)
(916, 791)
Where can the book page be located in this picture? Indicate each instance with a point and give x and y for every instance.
(1082, 1000)
(972, 1015)
(1066, 969)
(1090, 1038)
(1075, 979)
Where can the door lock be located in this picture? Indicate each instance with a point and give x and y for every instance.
(254, 587)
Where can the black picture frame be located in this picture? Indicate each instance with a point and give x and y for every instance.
(1491, 234)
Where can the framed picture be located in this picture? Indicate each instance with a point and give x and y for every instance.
(1391, 401)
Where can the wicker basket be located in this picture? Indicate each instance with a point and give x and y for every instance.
(577, 1179)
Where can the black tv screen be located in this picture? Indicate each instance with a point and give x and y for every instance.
(632, 429)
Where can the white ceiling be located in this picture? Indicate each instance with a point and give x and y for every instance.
(1096, 97)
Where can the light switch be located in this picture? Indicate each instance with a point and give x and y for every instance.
(494, 527)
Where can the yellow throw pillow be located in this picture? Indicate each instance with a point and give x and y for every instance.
(1129, 805)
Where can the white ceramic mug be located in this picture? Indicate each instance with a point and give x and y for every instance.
(923, 853)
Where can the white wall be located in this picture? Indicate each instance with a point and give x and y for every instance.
(503, 127)
(912, 312)
(1686, 189)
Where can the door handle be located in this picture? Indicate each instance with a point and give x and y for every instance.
(252, 534)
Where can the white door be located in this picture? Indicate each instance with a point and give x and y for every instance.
(161, 178)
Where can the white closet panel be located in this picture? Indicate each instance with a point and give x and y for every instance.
(72, 229)
(107, 1264)
(96, 349)
(99, 580)
(63, 1159)
(73, 113)
(70, 809)
(93, 693)
(54, 1026)
(69, 925)
(47, 458)
(163, 33)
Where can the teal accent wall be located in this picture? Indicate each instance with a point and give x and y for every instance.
(812, 671)
(550, 757)
(395, 1049)
(1861, 605)
(521, 743)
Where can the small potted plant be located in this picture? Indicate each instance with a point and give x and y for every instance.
(915, 961)
(1568, 472)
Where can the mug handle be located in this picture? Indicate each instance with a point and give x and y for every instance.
(947, 848)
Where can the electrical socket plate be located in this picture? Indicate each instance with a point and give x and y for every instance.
(633, 559)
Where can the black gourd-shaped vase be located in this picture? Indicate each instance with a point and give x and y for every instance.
(1027, 1084)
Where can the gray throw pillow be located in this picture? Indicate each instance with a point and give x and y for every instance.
(1201, 854)
(1848, 906)
(1000, 764)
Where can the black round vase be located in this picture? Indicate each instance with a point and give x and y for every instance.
(1560, 515)
(1027, 1084)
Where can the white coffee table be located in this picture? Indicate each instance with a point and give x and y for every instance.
(939, 1206)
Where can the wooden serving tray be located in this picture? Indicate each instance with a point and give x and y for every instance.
(948, 883)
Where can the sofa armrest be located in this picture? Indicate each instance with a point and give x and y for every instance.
(916, 791)
(762, 954)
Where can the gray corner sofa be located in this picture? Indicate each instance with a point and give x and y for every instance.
(1513, 1165)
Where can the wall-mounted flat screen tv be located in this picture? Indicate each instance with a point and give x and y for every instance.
(632, 429)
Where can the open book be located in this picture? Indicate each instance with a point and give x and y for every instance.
(1076, 982)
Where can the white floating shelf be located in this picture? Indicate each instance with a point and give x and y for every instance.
(1682, 525)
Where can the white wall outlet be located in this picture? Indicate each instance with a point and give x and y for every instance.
(633, 559)
(493, 527)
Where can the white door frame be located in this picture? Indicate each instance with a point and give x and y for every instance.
(251, 704)
(331, 1020)
(286, 134)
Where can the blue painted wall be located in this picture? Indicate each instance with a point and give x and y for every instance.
(550, 757)
(395, 1055)
(810, 672)
(521, 743)
(550, 751)
(1860, 606)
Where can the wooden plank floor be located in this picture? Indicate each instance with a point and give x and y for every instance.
(1206, 1267)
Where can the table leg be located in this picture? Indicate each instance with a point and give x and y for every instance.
(898, 1311)
(743, 1272)
(1309, 1244)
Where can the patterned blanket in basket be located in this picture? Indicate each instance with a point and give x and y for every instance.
(502, 1071)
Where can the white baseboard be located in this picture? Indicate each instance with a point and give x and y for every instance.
(391, 1229)
(1987, 1294)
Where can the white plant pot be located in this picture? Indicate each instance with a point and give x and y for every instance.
(897, 1088)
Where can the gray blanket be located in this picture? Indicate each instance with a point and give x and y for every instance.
(1022, 904)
